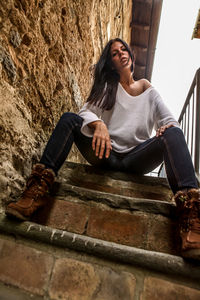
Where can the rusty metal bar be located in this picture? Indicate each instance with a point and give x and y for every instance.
(184, 118)
(192, 137)
(188, 123)
(197, 131)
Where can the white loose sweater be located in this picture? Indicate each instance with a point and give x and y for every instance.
(131, 121)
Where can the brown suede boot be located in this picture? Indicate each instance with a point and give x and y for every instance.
(35, 194)
(188, 209)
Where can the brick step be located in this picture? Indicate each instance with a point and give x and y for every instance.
(143, 223)
(115, 182)
(49, 263)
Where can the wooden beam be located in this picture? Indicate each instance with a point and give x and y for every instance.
(140, 54)
(145, 24)
(155, 21)
(139, 48)
(141, 26)
(141, 67)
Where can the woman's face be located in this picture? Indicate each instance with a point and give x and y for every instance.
(120, 57)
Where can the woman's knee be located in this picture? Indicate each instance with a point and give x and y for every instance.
(71, 117)
(173, 131)
(173, 136)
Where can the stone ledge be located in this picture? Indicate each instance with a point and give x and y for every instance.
(164, 263)
(115, 201)
(151, 180)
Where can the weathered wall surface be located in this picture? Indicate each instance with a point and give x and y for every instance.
(46, 50)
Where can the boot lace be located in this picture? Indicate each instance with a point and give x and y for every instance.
(35, 188)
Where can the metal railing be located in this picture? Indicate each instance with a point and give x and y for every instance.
(190, 123)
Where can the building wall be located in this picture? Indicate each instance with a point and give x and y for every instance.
(46, 50)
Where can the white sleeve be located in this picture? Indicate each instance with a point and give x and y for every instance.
(163, 116)
(89, 113)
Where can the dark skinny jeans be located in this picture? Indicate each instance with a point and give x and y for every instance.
(170, 147)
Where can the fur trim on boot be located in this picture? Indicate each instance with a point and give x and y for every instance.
(188, 209)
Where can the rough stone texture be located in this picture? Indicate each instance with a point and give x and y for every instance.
(24, 267)
(46, 51)
(75, 280)
(156, 289)
(115, 286)
(72, 279)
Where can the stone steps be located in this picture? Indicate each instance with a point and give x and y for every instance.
(115, 182)
(113, 216)
(136, 222)
(101, 236)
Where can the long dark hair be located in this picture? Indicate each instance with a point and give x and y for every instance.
(104, 88)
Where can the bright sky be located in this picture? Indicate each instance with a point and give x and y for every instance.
(177, 57)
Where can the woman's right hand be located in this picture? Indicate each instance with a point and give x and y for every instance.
(101, 139)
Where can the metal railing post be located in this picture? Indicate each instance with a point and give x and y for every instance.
(197, 135)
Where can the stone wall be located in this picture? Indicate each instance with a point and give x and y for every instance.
(46, 50)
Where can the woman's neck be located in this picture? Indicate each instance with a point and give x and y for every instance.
(126, 78)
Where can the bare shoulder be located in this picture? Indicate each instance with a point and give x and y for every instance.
(145, 83)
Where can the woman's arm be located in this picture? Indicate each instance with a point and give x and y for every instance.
(94, 126)
(162, 115)
(89, 113)
(101, 139)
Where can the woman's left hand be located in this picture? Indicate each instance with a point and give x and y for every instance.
(162, 129)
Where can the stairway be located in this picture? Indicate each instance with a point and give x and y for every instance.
(104, 235)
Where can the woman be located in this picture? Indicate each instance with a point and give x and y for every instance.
(113, 131)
